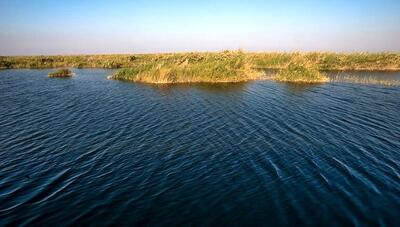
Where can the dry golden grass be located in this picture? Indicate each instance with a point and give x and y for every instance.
(327, 61)
(61, 73)
(301, 70)
(228, 66)
(323, 60)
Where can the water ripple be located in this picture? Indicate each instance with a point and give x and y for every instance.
(94, 151)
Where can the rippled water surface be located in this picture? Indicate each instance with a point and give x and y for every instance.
(91, 150)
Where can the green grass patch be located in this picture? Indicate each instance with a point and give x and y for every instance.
(227, 66)
(61, 73)
(301, 71)
(273, 60)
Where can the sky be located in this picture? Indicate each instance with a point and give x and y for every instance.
(48, 27)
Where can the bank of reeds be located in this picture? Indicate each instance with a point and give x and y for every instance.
(61, 73)
(324, 60)
(371, 80)
(228, 66)
(300, 70)
(327, 61)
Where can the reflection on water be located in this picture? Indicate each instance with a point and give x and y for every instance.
(390, 78)
(217, 88)
(94, 151)
(367, 77)
(300, 88)
(210, 87)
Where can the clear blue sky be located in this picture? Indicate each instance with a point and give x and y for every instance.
(100, 26)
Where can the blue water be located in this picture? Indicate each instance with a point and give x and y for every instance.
(88, 150)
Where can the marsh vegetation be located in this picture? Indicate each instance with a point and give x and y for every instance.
(226, 66)
(299, 70)
(61, 73)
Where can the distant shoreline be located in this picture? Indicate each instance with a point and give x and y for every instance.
(214, 67)
(385, 61)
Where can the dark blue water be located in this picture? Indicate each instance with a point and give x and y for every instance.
(88, 150)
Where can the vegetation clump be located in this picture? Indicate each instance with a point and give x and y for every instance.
(274, 60)
(227, 66)
(299, 70)
(61, 73)
(328, 61)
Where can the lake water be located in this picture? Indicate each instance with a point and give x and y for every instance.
(88, 150)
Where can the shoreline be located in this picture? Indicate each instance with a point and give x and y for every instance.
(216, 67)
(326, 61)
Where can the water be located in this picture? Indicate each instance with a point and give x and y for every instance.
(91, 150)
(378, 78)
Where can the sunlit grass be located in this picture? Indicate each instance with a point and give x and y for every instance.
(300, 70)
(227, 66)
(331, 61)
(323, 60)
(61, 73)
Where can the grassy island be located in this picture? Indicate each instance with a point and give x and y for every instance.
(301, 71)
(61, 73)
(225, 67)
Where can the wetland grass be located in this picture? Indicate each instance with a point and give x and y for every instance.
(327, 61)
(300, 70)
(324, 60)
(224, 67)
(61, 73)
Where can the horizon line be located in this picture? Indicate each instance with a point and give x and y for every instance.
(209, 51)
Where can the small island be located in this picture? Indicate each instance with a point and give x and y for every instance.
(61, 73)
(300, 71)
(224, 67)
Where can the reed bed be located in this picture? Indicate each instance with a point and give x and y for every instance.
(225, 67)
(301, 70)
(327, 61)
(324, 60)
(61, 73)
